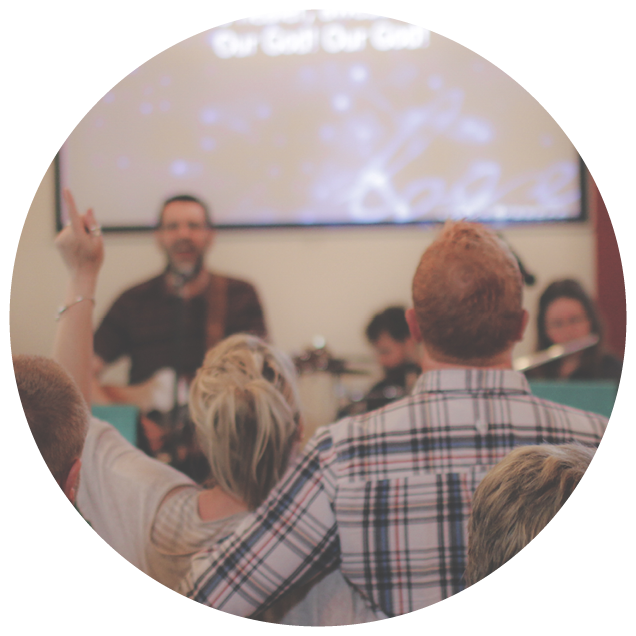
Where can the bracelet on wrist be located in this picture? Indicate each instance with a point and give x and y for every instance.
(79, 299)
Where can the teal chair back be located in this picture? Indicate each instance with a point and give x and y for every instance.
(122, 416)
(590, 395)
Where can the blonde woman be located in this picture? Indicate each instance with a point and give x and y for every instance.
(162, 517)
(245, 406)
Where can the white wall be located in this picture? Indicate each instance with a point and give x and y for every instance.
(311, 281)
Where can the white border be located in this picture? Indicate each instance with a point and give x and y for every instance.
(575, 57)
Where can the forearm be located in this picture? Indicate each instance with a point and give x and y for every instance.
(99, 393)
(291, 538)
(73, 344)
(141, 395)
(137, 394)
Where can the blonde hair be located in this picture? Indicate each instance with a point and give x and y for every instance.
(245, 407)
(55, 410)
(517, 499)
(467, 295)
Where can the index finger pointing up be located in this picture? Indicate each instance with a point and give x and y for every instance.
(73, 215)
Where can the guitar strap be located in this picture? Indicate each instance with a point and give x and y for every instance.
(215, 310)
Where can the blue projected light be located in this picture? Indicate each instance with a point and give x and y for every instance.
(341, 103)
(359, 73)
(179, 168)
(209, 116)
(323, 117)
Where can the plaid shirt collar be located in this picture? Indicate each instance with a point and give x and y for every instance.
(472, 381)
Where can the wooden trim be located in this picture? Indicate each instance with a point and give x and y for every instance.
(610, 283)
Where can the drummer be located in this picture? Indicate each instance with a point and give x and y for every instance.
(397, 353)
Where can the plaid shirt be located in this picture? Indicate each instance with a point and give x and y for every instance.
(386, 496)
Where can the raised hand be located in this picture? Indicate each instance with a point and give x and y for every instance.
(80, 243)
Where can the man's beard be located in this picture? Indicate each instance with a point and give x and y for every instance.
(185, 272)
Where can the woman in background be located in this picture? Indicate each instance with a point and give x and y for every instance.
(567, 313)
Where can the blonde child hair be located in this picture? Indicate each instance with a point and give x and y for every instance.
(516, 500)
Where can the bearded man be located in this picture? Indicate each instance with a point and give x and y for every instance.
(166, 324)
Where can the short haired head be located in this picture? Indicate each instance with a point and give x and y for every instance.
(467, 295)
(566, 288)
(186, 198)
(55, 410)
(245, 406)
(517, 499)
(391, 321)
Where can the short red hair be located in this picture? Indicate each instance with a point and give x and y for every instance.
(467, 294)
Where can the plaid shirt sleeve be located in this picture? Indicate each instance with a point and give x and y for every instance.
(288, 540)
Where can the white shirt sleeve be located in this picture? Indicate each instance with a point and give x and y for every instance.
(121, 489)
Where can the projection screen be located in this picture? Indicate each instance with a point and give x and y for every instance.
(322, 118)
